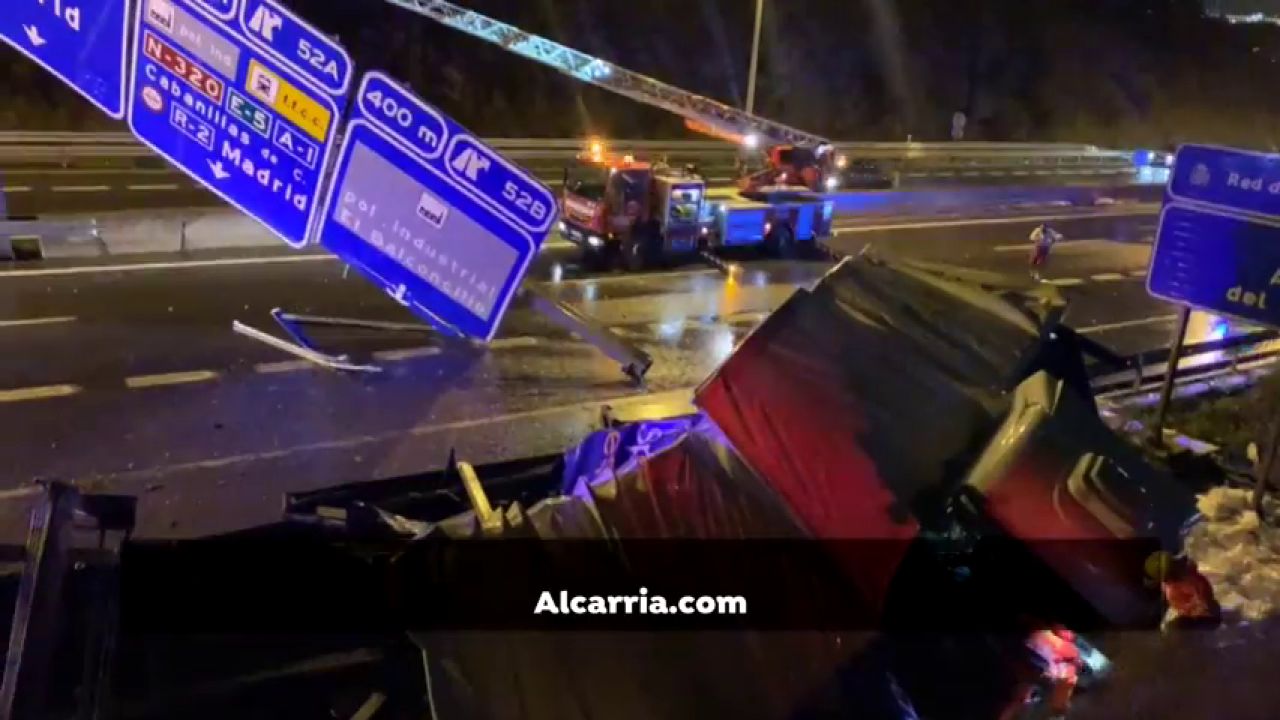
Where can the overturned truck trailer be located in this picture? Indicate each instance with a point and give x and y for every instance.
(898, 471)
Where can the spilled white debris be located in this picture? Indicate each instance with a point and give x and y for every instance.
(1238, 554)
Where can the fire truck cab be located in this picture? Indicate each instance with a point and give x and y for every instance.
(641, 212)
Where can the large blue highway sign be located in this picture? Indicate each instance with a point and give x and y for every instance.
(1218, 262)
(80, 41)
(245, 98)
(1233, 180)
(440, 220)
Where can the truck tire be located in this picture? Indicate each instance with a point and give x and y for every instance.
(781, 241)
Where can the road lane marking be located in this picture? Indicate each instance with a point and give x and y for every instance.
(1014, 248)
(1006, 220)
(1065, 282)
(673, 403)
(80, 188)
(283, 366)
(1127, 324)
(38, 321)
(511, 343)
(44, 392)
(15, 189)
(160, 188)
(177, 378)
(1138, 273)
(406, 353)
(1107, 277)
(132, 267)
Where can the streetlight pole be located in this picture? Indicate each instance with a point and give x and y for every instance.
(755, 58)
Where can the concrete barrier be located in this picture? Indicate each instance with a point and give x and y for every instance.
(24, 238)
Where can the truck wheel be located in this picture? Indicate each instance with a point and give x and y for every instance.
(781, 241)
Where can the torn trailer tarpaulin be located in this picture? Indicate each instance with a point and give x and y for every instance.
(695, 488)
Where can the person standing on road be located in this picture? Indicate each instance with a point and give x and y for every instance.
(1042, 240)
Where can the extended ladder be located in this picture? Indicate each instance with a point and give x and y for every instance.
(700, 113)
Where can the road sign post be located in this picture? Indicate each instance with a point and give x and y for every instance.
(445, 224)
(82, 42)
(244, 97)
(1218, 244)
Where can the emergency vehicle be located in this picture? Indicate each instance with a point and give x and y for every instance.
(646, 213)
(777, 206)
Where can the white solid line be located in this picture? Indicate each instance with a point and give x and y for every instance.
(15, 189)
(406, 354)
(1065, 282)
(1006, 220)
(1107, 277)
(37, 321)
(1127, 324)
(169, 186)
(80, 188)
(177, 378)
(283, 366)
(90, 269)
(38, 393)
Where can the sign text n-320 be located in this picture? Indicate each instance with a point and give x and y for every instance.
(82, 42)
(445, 224)
(245, 98)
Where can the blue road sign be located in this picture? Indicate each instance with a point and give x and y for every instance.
(441, 221)
(1218, 244)
(82, 42)
(237, 102)
(1235, 180)
(1217, 261)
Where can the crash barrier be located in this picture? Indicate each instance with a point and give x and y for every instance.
(22, 238)
(893, 202)
(71, 148)
(1146, 371)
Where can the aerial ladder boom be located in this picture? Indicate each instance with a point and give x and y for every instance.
(700, 113)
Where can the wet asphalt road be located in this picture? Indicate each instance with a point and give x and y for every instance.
(130, 379)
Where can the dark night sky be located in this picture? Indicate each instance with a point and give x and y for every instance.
(1246, 6)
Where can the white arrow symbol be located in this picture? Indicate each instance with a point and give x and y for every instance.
(33, 34)
(218, 172)
(399, 294)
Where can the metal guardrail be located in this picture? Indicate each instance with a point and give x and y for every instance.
(67, 148)
(23, 238)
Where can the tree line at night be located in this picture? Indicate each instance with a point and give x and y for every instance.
(1111, 72)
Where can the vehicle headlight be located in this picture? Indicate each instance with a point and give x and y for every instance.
(563, 227)
(595, 241)
(832, 183)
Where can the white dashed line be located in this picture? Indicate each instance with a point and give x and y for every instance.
(80, 188)
(1014, 248)
(1065, 282)
(158, 188)
(511, 343)
(37, 321)
(1137, 273)
(406, 353)
(15, 189)
(283, 366)
(38, 393)
(1107, 277)
(131, 267)
(177, 378)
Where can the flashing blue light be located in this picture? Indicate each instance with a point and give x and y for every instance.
(1219, 329)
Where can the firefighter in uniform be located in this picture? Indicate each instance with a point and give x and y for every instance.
(1188, 594)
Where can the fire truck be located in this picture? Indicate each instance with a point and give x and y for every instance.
(647, 213)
